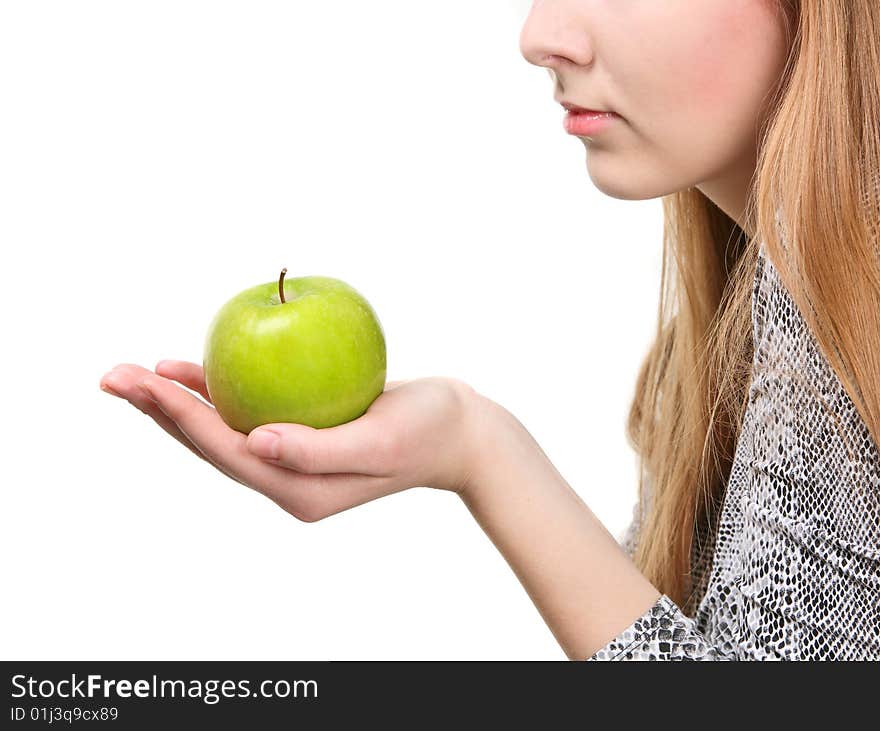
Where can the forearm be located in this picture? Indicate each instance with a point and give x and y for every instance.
(583, 584)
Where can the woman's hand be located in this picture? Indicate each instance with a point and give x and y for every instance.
(416, 433)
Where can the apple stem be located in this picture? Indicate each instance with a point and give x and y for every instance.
(281, 284)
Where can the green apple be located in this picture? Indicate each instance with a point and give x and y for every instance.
(309, 350)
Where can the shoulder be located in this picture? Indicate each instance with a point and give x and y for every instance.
(806, 439)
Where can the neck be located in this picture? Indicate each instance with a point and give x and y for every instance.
(730, 191)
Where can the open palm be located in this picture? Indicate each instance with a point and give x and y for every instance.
(416, 433)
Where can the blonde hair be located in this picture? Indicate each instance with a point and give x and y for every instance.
(815, 204)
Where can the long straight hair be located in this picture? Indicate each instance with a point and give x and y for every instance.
(814, 202)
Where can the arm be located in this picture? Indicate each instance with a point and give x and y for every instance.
(434, 432)
(819, 603)
(582, 582)
(439, 433)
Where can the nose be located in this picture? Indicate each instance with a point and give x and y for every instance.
(554, 35)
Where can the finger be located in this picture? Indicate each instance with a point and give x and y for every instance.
(125, 378)
(120, 383)
(191, 375)
(358, 446)
(394, 384)
(202, 425)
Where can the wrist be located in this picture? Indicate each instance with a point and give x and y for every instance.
(490, 431)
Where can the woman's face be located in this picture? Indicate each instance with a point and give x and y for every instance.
(688, 78)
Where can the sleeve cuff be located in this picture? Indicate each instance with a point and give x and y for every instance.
(663, 632)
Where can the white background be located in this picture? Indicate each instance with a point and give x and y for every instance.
(158, 157)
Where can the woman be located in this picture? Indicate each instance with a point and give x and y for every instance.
(757, 411)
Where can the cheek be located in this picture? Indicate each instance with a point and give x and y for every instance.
(710, 67)
(715, 89)
(735, 66)
(716, 79)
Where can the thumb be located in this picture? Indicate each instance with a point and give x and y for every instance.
(357, 446)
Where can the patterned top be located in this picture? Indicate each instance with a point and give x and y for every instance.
(792, 568)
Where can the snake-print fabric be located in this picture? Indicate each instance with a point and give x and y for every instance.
(792, 570)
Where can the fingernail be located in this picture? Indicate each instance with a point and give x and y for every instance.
(264, 443)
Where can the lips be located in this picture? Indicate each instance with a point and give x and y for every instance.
(574, 108)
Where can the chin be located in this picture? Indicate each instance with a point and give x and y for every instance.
(622, 182)
(622, 191)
